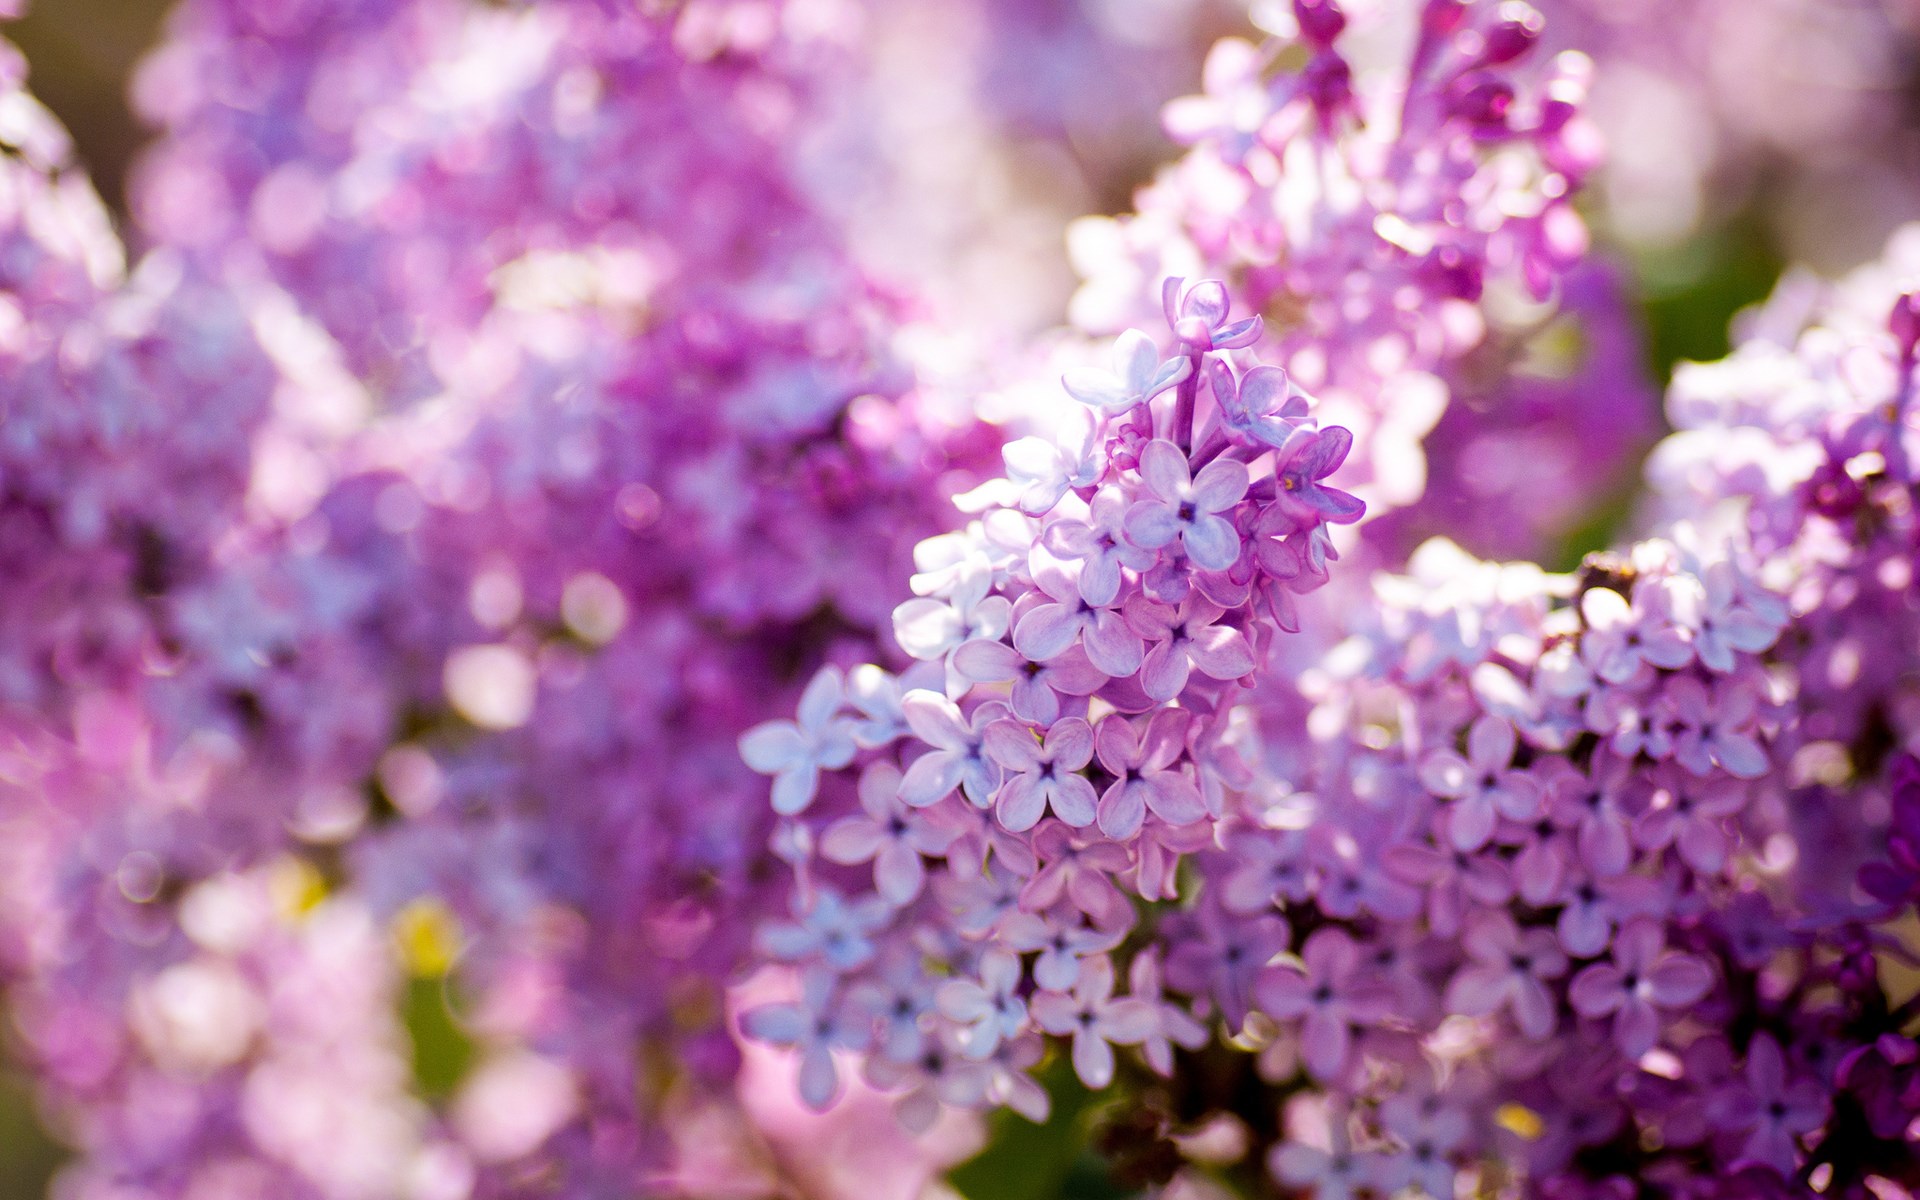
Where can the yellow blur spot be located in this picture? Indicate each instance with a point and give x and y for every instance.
(1523, 1122)
(428, 936)
(296, 887)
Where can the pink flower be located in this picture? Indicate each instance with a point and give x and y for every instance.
(1509, 969)
(1331, 993)
(1094, 1020)
(1481, 785)
(888, 835)
(1184, 639)
(1042, 775)
(1144, 774)
(1186, 509)
(1643, 979)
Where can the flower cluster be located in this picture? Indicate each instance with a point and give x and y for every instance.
(446, 576)
(1534, 877)
(1396, 205)
(500, 643)
(1063, 740)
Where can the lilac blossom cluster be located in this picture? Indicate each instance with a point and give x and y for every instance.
(492, 431)
(1569, 885)
(1391, 186)
(498, 464)
(1063, 741)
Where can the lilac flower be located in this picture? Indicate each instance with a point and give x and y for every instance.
(1510, 969)
(1690, 815)
(795, 752)
(1309, 457)
(817, 1025)
(1594, 908)
(886, 835)
(1099, 543)
(1623, 639)
(1094, 1020)
(1482, 786)
(1710, 728)
(1430, 1128)
(1264, 406)
(991, 1008)
(1062, 947)
(1037, 687)
(941, 1075)
(1078, 868)
(1731, 618)
(1642, 979)
(958, 756)
(1143, 778)
(1045, 631)
(1041, 470)
(1457, 881)
(1896, 879)
(840, 933)
(1198, 316)
(1268, 869)
(1186, 508)
(896, 999)
(1138, 375)
(1221, 958)
(932, 630)
(1337, 1172)
(1173, 1025)
(1181, 640)
(1771, 1108)
(1041, 776)
(1331, 995)
(1592, 803)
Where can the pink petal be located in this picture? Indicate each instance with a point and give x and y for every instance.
(1046, 631)
(1164, 469)
(898, 873)
(1073, 801)
(852, 840)
(1123, 809)
(1220, 485)
(1020, 804)
(1221, 652)
(1164, 673)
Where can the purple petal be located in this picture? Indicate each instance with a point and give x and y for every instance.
(1150, 525)
(1073, 801)
(1221, 652)
(1046, 631)
(1164, 469)
(1211, 542)
(1220, 486)
(1164, 673)
(1123, 809)
(1020, 804)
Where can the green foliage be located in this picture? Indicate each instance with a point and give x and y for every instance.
(442, 1052)
(1054, 1161)
(1690, 294)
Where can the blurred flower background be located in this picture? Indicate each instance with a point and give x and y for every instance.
(459, 431)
